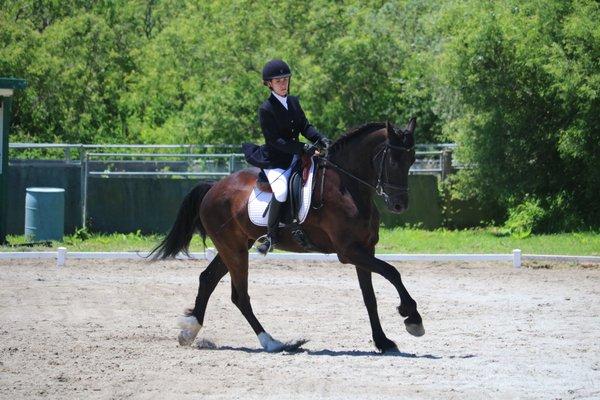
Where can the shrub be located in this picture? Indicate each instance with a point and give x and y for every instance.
(525, 219)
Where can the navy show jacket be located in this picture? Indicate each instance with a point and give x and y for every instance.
(281, 129)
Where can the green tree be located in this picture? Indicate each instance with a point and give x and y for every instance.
(526, 76)
(75, 62)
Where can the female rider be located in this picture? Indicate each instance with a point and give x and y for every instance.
(281, 120)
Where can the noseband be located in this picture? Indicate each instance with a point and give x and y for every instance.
(381, 184)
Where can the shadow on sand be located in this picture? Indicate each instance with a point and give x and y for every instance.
(296, 349)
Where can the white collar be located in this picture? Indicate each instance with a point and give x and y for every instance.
(282, 100)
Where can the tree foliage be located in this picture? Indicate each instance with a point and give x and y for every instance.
(527, 79)
(516, 83)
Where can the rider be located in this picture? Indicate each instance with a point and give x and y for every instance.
(281, 120)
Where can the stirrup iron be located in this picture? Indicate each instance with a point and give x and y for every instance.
(263, 241)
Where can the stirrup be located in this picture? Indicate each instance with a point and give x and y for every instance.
(265, 245)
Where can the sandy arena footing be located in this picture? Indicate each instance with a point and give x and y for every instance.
(107, 329)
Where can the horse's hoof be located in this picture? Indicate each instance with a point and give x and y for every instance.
(275, 346)
(386, 346)
(269, 344)
(189, 330)
(415, 329)
(186, 338)
(391, 351)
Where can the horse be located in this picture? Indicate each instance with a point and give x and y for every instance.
(372, 159)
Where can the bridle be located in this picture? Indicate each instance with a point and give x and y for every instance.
(383, 182)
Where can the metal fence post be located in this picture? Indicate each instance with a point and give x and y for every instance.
(84, 187)
(81, 179)
(5, 103)
(446, 163)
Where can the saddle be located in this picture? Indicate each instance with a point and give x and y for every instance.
(295, 208)
(291, 207)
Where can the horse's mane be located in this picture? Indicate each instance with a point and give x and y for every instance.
(355, 132)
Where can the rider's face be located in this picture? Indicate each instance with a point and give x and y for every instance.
(280, 85)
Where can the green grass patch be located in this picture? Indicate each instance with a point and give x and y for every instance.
(398, 240)
(488, 240)
(83, 241)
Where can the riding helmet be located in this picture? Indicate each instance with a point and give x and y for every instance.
(275, 69)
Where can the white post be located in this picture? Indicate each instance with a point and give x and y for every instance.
(517, 258)
(210, 254)
(61, 256)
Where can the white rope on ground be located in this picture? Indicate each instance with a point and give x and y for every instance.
(61, 256)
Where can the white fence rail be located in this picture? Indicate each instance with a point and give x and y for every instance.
(516, 257)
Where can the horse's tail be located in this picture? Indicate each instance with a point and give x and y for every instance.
(186, 224)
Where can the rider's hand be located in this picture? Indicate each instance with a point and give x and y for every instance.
(310, 149)
(324, 143)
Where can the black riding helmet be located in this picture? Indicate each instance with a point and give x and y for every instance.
(275, 69)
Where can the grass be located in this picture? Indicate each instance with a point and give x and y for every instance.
(485, 241)
(398, 240)
(99, 242)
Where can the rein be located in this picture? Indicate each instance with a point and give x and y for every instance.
(380, 185)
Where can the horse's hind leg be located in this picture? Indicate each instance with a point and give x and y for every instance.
(237, 264)
(192, 322)
(366, 286)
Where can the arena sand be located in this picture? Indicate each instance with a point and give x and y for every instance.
(107, 330)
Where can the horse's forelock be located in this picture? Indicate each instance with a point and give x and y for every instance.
(401, 138)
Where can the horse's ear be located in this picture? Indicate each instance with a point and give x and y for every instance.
(410, 127)
(391, 130)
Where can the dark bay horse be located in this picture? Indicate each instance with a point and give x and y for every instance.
(372, 159)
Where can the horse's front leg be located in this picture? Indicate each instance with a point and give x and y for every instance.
(408, 307)
(366, 286)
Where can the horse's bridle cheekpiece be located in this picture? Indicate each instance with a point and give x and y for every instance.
(381, 184)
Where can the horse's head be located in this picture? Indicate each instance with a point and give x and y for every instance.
(393, 162)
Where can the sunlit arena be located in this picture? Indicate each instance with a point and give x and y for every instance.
(108, 329)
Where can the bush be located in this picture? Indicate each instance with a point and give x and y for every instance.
(525, 219)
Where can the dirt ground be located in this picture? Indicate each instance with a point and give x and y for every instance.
(108, 330)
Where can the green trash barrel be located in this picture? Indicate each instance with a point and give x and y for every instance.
(44, 213)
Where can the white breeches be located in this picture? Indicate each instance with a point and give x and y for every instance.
(278, 178)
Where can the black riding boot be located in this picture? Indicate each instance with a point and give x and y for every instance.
(272, 226)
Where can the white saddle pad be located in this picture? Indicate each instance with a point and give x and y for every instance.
(259, 200)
